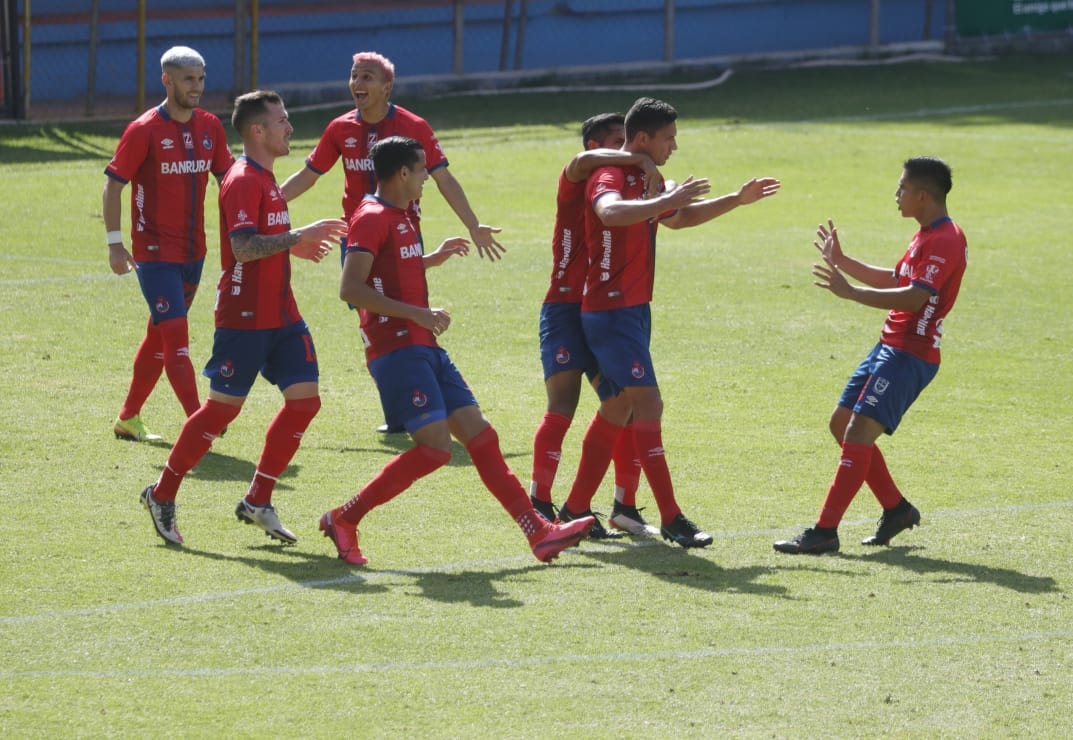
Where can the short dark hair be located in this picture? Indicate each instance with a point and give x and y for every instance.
(599, 126)
(930, 174)
(648, 115)
(392, 154)
(252, 106)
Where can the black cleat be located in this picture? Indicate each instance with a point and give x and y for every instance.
(902, 517)
(813, 541)
(546, 509)
(599, 532)
(685, 533)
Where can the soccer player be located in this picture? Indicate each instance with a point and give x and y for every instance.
(917, 294)
(351, 136)
(564, 353)
(421, 389)
(258, 326)
(616, 313)
(166, 154)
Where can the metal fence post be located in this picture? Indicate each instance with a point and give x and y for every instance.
(458, 64)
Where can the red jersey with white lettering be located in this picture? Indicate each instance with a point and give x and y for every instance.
(168, 165)
(392, 236)
(351, 138)
(935, 261)
(256, 294)
(622, 259)
(571, 258)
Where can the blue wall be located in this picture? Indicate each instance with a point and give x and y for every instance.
(311, 42)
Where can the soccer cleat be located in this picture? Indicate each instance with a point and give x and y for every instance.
(265, 518)
(810, 542)
(902, 517)
(561, 535)
(345, 536)
(546, 509)
(163, 515)
(599, 532)
(629, 519)
(685, 533)
(133, 429)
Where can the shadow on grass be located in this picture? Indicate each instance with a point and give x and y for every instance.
(396, 444)
(904, 557)
(474, 588)
(686, 568)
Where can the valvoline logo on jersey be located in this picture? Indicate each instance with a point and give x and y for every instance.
(162, 305)
(418, 398)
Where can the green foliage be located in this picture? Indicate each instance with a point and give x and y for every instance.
(960, 629)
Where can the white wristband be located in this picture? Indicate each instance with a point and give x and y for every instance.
(114, 237)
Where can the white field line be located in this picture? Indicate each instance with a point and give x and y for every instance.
(460, 567)
(422, 667)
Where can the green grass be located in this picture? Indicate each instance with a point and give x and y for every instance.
(962, 629)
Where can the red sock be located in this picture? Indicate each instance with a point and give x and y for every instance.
(879, 480)
(281, 442)
(547, 449)
(148, 365)
(194, 441)
(648, 436)
(395, 477)
(596, 448)
(627, 468)
(852, 469)
(498, 478)
(174, 336)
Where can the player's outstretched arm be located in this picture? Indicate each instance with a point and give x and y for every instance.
(697, 213)
(449, 247)
(298, 183)
(312, 242)
(830, 248)
(907, 298)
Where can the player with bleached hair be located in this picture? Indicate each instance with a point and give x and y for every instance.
(917, 294)
(419, 385)
(166, 155)
(350, 137)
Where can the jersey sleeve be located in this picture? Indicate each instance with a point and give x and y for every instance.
(326, 153)
(131, 151)
(605, 180)
(366, 233)
(222, 157)
(434, 156)
(939, 260)
(240, 206)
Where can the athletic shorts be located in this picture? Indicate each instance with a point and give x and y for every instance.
(562, 341)
(620, 338)
(885, 384)
(284, 356)
(419, 385)
(169, 287)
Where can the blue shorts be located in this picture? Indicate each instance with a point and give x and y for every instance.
(419, 385)
(885, 384)
(562, 340)
(620, 338)
(284, 356)
(169, 287)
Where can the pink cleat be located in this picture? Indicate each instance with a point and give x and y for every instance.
(345, 536)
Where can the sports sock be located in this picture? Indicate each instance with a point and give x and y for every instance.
(648, 436)
(852, 469)
(547, 450)
(879, 480)
(148, 365)
(394, 478)
(627, 468)
(484, 450)
(194, 441)
(281, 442)
(174, 336)
(596, 448)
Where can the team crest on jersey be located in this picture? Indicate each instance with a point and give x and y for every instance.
(227, 369)
(167, 144)
(881, 385)
(930, 272)
(162, 305)
(275, 194)
(188, 140)
(242, 216)
(562, 356)
(206, 141)
(350, 142)
(638, 370)
(418, 398)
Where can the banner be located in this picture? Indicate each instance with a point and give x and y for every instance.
(997, 17)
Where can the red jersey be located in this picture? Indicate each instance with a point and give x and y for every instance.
(391, 235)
(622, 259)
(571, 258)
(351, 138)
(168, 165)
(935, 261)
(257, 294)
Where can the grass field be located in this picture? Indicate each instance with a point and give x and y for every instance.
(961, 629)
